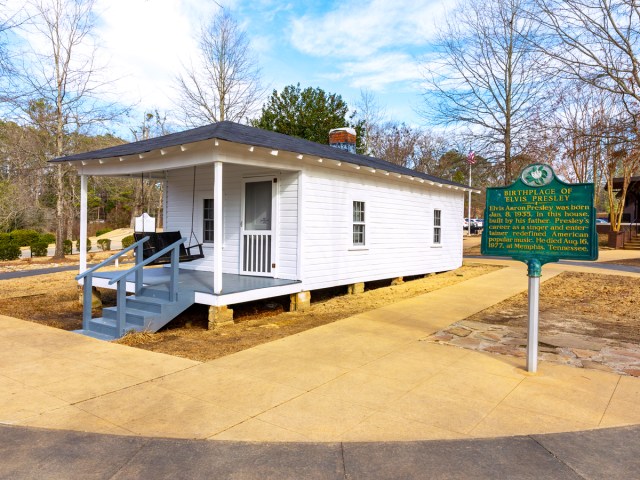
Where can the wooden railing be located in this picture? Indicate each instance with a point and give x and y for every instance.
(256, 253)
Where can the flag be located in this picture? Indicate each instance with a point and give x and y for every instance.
(471, 157)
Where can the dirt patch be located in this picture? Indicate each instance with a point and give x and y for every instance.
(604, 306)
(53, 300)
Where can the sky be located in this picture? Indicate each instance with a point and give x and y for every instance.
(342, 47)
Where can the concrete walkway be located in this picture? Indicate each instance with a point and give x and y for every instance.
(368, 378)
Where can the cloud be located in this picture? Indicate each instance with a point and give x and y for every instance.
(359, 29)
(370, 45)
(147, 43)
(377, 72)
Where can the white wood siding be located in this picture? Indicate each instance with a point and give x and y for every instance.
(179, 204)
(399, 228)
(287, 232)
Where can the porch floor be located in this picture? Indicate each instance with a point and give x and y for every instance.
(202, 282)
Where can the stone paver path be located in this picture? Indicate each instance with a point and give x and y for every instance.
(575, 350)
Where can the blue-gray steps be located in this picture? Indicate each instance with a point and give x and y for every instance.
(150, 310)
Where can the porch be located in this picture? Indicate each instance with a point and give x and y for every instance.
(160, 294)
(235, 288)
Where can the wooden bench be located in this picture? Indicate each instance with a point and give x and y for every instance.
(161, 240)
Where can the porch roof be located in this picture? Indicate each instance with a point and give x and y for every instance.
(243, 134)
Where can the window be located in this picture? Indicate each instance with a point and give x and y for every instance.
(358, 224)
(207, 222)
(437, 227)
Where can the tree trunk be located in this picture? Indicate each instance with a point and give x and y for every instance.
(60, 223)
(138, 203)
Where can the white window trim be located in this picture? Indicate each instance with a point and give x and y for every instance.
(198, 217)
(434, 227)
(367, 231)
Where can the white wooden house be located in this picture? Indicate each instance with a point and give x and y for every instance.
(278, 215)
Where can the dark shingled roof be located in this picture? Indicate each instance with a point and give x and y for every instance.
(237, 133)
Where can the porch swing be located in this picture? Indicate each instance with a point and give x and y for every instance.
(160, 240)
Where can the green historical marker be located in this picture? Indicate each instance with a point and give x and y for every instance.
(540, 219)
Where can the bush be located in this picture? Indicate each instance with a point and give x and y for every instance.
(48, 237)
(39, 248)
(104, 244)
(88, 245)
(67, 247)
(24, 238)
(103, 231)
(9, 250)
(127, 241)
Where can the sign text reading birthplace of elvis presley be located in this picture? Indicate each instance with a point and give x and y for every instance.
(540, 219)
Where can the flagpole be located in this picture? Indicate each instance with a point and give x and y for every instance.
(469, 204)
(470, 161)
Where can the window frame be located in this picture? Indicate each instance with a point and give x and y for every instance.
(437, 227)
(203, 200)
(361, 221)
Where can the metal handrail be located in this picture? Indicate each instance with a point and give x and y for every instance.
(110, 259)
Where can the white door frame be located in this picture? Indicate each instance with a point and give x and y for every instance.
(257, 243)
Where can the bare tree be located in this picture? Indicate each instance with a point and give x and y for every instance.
(225, 83)
(395, 142)
(370, 114)
(486, 78)
(147, 194)
(578, 133)
(60, 71)
(432, 147)
(622, 160)
(595, 42)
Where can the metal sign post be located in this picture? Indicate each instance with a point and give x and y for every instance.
(534, 272)
(540, 219)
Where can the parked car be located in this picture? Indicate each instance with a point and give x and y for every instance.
(601, 220)
(479, 222)
(474, 225)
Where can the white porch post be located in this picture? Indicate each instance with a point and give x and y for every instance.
(83, 223)
(217, 228)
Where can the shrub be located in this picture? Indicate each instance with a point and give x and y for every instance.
(24, 238)
(67, 247)
(9, 250)
(48, 237)
(104, 244)
(39, 248)
(127, 241)
(88, 246)
(103, 231)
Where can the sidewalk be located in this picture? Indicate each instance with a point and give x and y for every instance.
(366, 378)
(361, 398)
